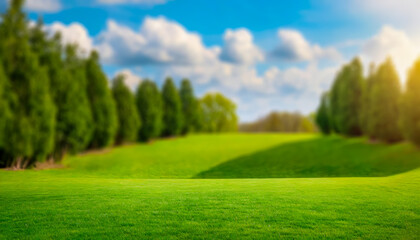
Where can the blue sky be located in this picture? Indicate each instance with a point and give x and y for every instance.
(265, 55)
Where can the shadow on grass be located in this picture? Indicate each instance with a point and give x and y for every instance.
(322, 157)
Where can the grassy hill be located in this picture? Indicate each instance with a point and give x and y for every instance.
(146, 191)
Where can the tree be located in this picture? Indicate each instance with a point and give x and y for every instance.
(102, 104)
(74, 120)
(149, 105)
(189, 107)
(367, 114)
(323, 118)
(68, 89)
(128, 116)
(172, 109)
(219, 113)
(280, 122)
(384, 104)
(30, 136)
(346, 99)
(5, 116)
(410, 110)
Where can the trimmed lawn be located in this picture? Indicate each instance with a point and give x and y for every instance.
(150, 193)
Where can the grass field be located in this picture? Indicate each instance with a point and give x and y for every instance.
(262, 186)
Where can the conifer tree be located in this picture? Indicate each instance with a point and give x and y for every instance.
(384, 104)
(5, 116)
(73, 117)
(410, 107)
(102, 104)
(32, 130)
(323, 115)
(346, 99)
(149, 105)
(366, 96)
(128, 116)
(189, 107)
(172, 109)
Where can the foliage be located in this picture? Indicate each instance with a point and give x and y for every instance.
(128, 116)
(410, 110)
(5, 111)
(5, 116)
(346, 99)
(279, 122)
(76, 119)
(384, 104)
(149, 105)
(190, 108)
(32, 107)
(367, 114)
(172, 109)
(102, 104)
(68, 89)
(323, 116)
(219, 113)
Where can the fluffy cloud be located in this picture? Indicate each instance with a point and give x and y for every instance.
(130, 79)
(403, 13)
(294, 47)
(74, 33)
(158, 41)
(142, 2)
(239, 47)
(309, 80)
(393, 43)
(174, 51)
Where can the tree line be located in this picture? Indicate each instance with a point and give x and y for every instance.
(375, 105)
(280, 122)
(54, 100)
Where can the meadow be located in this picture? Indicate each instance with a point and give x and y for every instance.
(229, 186)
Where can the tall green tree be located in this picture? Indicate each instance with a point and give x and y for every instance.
(74, 119)
(5, 116)
(323, 117)
(128, 116)
(410, 110)
(346, 99)
(149, 105)
(33, 109)
(367, 114)
(384, 104)
(172, 109)
(189, 107)
(219, 113)
(102, 104)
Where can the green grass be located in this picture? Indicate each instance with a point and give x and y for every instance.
(150, 194)
(176, 158)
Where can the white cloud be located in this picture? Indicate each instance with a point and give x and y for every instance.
(310, 80)
(403, 13)
(176, 52)
(75, 33)
(159, 41)
(43, 5)
(393, 43)
(142, 2)
(130, 79)
(239, 47)
(295, 48)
